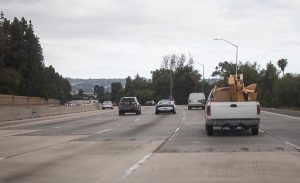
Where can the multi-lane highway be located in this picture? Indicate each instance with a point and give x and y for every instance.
(101, 146)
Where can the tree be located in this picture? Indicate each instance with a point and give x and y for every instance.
(144, 95)
(96, 89)
(267, 86)
(184, 83)
(250, 71)
(22, 69)
(224, 69)
(129, 90)
(171, 63)
(116, 89)
(282, 64)
(183, 76)
(81, 93)
(160, 83)
(139, 83)
(99, 92)
(10, 79)
(288, 90)
(2, 43)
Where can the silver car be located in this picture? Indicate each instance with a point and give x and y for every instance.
(107, 105)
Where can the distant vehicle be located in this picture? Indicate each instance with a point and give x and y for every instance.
(129, 105)
(107, 105)
(165, 105)
(231, 114)
(150, 103)
(196, 100)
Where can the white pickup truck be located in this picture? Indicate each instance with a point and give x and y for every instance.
(232, 114)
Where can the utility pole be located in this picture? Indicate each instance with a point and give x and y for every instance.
(202, 75)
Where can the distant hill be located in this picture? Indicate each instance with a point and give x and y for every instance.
(87, 85)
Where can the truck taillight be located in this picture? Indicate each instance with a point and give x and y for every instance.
(208, 111)
(258, 109)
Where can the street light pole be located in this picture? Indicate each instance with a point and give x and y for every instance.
(236, 55)
(202, 75)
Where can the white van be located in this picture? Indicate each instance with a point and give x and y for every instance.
(196, 100)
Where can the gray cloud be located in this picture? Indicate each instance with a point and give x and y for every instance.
(116, 38)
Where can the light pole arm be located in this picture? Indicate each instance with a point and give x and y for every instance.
(236, 54)
(227, 42)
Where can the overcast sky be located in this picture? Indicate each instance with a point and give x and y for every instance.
(117, 38)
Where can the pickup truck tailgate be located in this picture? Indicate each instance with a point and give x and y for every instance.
(234, 110)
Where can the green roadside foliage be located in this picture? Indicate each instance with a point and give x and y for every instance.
(22, 69)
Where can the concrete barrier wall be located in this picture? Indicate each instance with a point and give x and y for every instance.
(22, 112)
(23, 100)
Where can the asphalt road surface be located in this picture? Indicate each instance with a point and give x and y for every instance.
(101, 146)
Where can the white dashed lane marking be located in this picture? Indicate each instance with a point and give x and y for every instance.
(136, 165)
(293, 145)
(103, 131)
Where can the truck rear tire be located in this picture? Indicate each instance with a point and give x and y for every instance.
(254, 130)
(209, 130)
(189, 107)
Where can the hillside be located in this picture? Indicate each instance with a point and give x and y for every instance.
(87, 85)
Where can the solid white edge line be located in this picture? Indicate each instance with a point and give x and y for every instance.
(136, 165)
(137, 119)
(281, 115)
(183, 118)
(293, 145)
(56, 119)
(104, 131)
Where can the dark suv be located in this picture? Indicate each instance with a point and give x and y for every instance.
(129, 104)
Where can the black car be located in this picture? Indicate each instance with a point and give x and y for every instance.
(165, 106)
(129, 105)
